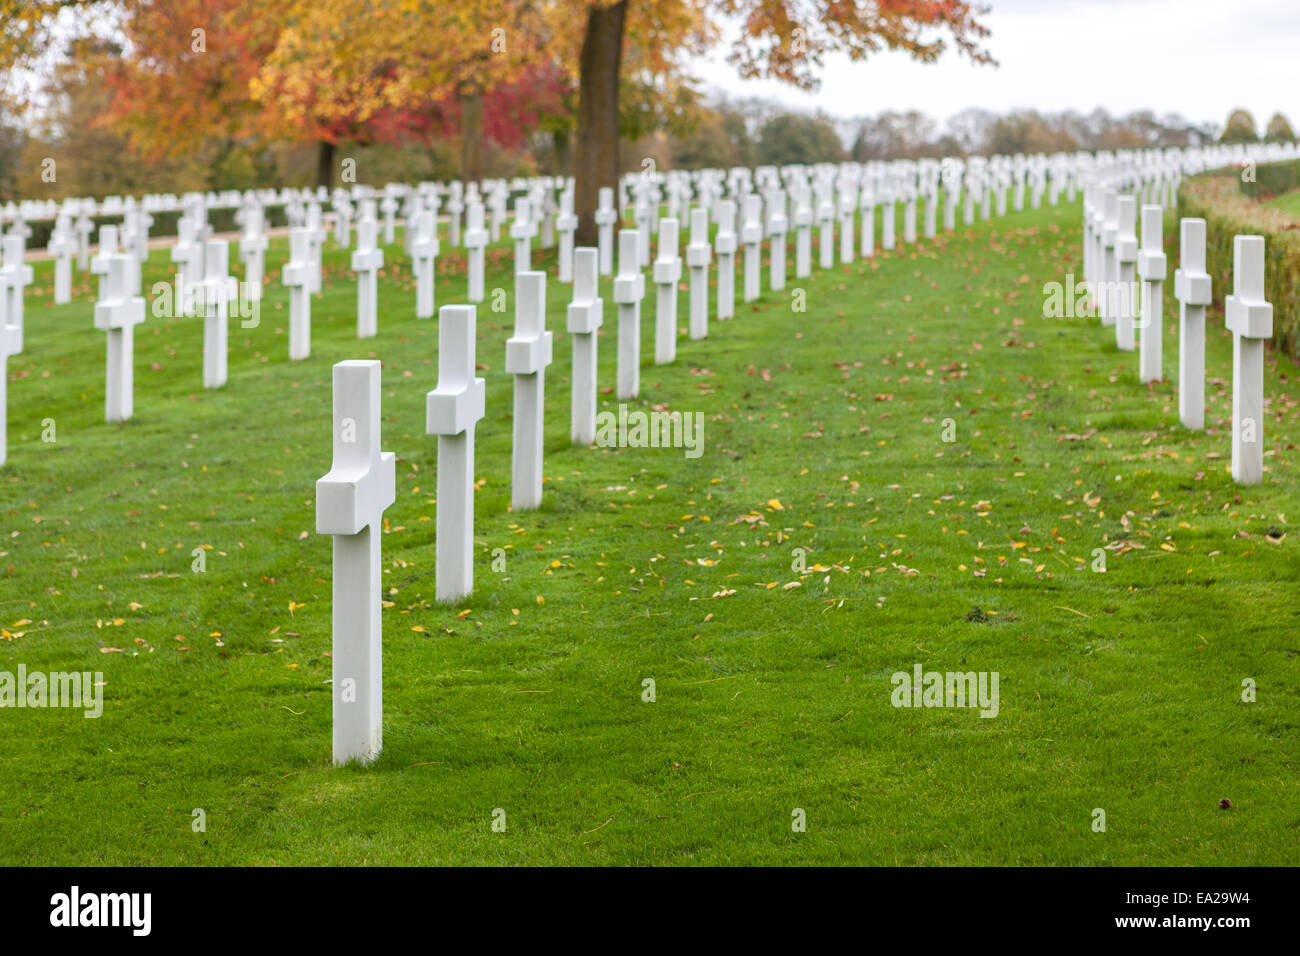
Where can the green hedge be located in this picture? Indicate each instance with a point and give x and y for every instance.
(1273, 179)
(164, 224)
(1228, 213)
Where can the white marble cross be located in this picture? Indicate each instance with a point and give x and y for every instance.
(667, 273)
(606, 217)
(826, 223)
(1192, 286)
(548, 210)
(11, 325)
(424, 250)
(724, 242)
(455, 206)
(108, 247)
(909, 213)
(62, 246)
(867, 207)
(585, 315)
(85, 229)
(803, 217)
(1151, 268)
(350, 504)
(848, 207)
(297, 276)
(522, 231)
(698, 254)
(188, 256)
(751, 236)
(118, 313)
(476, 239)
(629, 290)
(644, 215)
(566, 223)
(452, 410)
(252, 250)
(342, 220)
(1109, 261)
(316, 245)
(1250, 320)
(888, 215)
(389, 206)
(367, 260)
(778, 224)
(1126, 253)
(216, 293)
(528, 353)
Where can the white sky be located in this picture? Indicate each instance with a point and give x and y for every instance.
(1200, 58)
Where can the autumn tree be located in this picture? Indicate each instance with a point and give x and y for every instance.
(366, 70)
(1240, 128)
(1279, 130)
(781, 39)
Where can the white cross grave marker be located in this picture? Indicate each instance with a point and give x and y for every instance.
(452, 410)
(118, 313)
(566, 223)
(698, 254)
(751, 235)
(350, 504)
(424, 250)
(297, 276)
(725, 243)
(629, 290)
(522, 231)
(11, 325)
(528, 352)
(1126, 251)
(585, 316)
(667, 273)
(606, 216)
(826, 221)
(848, 207)
(476, 239)
(216, 295)
(1151, 268)
(1250, 320)
(367, 260)
(1192, 287)
(803, 232)
(252, 250)
(778, 224)
(62, 246)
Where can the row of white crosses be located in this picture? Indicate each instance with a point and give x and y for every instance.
(1112, 255)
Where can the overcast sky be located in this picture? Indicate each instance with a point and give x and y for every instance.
(1200, 58)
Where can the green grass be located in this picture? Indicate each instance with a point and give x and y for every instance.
(1288, 202)
(1119, 690)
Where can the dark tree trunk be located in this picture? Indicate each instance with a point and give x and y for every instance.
(562, 141)
(325, 165)
(597, 146)
(471, 137)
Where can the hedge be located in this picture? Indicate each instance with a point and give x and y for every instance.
(164, 224)
(1228, 213)
(1273, 179)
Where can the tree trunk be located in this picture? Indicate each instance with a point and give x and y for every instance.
(562, 141)
(325, 165)
(471, 137)
(597, 147)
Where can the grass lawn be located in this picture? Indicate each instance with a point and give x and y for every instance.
(1288, 202)
(824, 431)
